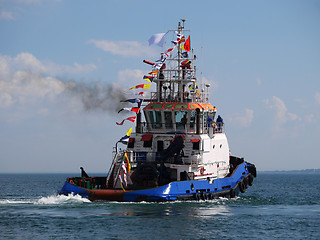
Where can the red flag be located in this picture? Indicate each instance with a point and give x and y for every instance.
(136, 110)
(131, 119)
(187, 44)
(144, 86)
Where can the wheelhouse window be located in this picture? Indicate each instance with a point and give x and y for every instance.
(168, 119)
(155, 119)
(181, 119)
(192, 119)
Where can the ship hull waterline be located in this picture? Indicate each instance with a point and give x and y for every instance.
(230, 186)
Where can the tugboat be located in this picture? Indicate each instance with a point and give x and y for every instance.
(179, 150)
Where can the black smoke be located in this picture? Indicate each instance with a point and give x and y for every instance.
(98, 97)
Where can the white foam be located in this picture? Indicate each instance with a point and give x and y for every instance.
(61, 199)
(53, 199)
(14, 201)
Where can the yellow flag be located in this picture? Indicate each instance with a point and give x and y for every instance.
(129, 132)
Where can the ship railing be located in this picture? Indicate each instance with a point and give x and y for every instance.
(151, 157)
(219, 128)
(169, 97)
(160, 127)
(175, 75)
(117, 157)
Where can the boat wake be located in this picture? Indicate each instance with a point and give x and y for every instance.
(61, 199)
(49, 200)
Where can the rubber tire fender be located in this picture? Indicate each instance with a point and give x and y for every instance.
(250, 179)
(242, 187)
(196, 197)
(232, 193)
(245, 181)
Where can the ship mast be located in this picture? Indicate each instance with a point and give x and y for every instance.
(177, 73)
(180, 79)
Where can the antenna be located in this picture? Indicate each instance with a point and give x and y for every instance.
(183, 20)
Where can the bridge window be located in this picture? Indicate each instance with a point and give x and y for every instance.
(155, 119)
(181, 119)
(192, 119)
(168, 119)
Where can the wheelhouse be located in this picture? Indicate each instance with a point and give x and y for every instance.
(178, 117)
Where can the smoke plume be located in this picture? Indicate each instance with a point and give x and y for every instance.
(98, 97)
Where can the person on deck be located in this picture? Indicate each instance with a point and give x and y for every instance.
(209, 121)
(184, 120)
(219, 123)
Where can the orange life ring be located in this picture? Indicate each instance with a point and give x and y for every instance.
(71, 181)
(202, 170)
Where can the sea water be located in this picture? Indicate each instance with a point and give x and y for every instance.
(277, 206)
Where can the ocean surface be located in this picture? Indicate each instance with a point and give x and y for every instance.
(277, 206)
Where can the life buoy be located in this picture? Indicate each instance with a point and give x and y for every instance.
(201, 170)
(71, 181)
(242, 187)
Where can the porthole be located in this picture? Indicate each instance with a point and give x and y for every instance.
(213, 146)
(220, 145)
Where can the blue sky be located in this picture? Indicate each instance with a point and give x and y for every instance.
(262, 59)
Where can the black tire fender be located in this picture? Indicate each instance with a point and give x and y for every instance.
(245, 181)
(232, 193)
(250, 179)
(242, 187)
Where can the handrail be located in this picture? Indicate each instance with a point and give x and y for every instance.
(167, 96)
(162, 127)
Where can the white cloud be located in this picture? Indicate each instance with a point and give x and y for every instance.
(282, 115)
(317, 97)
(309, 118)
(130, 76)
(124, 48)
(27, 62)
(242, 119)
(5, 99)
(6, 15)
(27, 86)
(23, 80)
(24, 87)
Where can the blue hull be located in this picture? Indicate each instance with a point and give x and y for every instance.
(181, 190)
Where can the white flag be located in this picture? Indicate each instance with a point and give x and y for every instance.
(124, 173)
(157, 38)
(120, 178)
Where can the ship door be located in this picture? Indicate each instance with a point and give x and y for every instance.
(160, 146)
